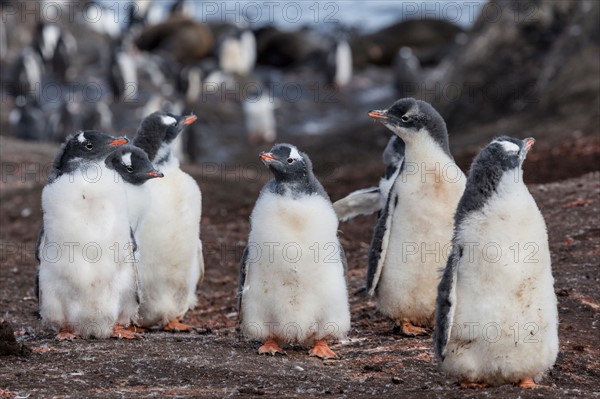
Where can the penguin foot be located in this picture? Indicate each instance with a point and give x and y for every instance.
(410, 330)
(137, 329)
(270, 347)
(121, 332)
(467, 384)
(176, 326)
(321, 350)
(66, 336)
(527, 383)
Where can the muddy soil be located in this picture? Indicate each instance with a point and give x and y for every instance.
(375, 361)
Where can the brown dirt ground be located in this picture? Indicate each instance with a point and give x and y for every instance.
(215, 362)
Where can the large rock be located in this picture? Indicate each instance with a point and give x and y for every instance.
(541, 57)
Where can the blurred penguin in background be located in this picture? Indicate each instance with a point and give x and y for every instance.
(407, 73)
(259, 113)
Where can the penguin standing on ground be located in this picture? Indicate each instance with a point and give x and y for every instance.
(87, 277)
(28, 120)
(26, 75)
(259, 116)
(57, 47)
(369, 200)
(407, 73)
(170, 268)
(339, 65)
(289, 292)
(414, 229)
(496, 314)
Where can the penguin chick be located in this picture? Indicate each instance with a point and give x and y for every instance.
(414, 229)
(288, 292)
(407, 72)
(496, 311)
(170, 269)
(370, 200)
(87, 282)
(259, 115)
(338, 62)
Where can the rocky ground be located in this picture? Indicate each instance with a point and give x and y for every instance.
(214, 361)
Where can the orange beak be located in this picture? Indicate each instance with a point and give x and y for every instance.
(529, 143)
(189, 120)
(378, 115)
(119, 141)
(267, 156)
(156, 174)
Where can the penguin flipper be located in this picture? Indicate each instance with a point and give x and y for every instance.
(135, 255)
(361, 202)
(379, 243)
(344, 262)
(200, 261)
(38, 256)
(446, 303)
(242, 281)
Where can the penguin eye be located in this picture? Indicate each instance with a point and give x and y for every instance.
(129, 169)
(290, 160)
(405, 118)
(89, 146)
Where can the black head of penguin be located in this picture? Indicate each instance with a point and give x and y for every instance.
(132, 164)
(159, 128)
(293, 172)
(89, 145)
(408, 117)
(503, 155)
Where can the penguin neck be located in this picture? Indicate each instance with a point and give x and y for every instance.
(422, 149)
(165, 157)
(296, 186)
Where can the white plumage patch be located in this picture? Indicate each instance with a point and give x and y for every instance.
(343, 64)
(508, 146)
(90, 287)
(81, 137)
(294, 154)
(171, 253)
(168, 120)
(50, 34)
(127, 159)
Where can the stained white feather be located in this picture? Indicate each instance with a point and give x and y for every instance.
(171, 252)
(428, 191)
(505, 321)
(295, 288)
(87, 271)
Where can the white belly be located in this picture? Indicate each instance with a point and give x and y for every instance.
(295, 286)
(87, 277)
(169, 247)
(419, 244)
(505, 322)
